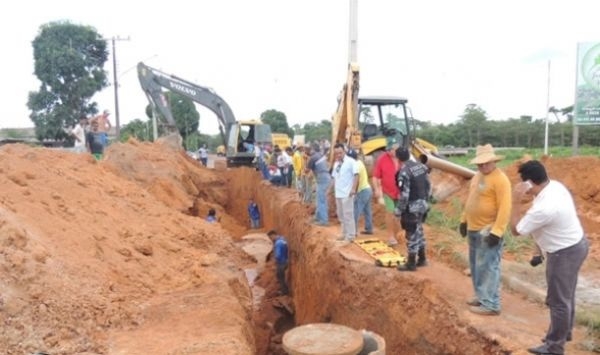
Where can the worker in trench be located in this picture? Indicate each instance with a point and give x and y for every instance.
(280, 253)
(411, 207)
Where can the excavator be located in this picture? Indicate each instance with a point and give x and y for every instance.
(239, 137)
(365, 123)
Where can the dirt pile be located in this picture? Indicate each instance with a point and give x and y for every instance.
(90, 251)
(111, 257)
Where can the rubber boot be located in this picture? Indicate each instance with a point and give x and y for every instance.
(422, 261)
(410, 265)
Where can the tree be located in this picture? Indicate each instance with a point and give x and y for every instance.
(278, 122)
(314, 131)
(185, 114)
(138, 129)
(473, 118)
(69, 61)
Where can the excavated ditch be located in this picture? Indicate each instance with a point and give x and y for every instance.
(111, 257)
(409, 312)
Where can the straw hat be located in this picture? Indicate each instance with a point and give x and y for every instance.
(485, 154)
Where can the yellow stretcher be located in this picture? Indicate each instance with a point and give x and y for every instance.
(383, 254)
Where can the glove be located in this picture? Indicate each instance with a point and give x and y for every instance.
(536, 260)
(492, 240)
(463, 229)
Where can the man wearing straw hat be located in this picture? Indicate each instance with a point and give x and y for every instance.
(484, 219)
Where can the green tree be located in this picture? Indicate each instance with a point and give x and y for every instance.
(278, 122)
(473, 119)
(138, 129)
(186, 116)
(184, 112)
(314, 131)
(69, 61)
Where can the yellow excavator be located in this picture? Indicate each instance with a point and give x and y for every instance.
(365, 123)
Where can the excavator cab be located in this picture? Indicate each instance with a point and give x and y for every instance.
(381, 117)
(242, 140)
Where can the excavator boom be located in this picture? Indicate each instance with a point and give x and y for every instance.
(239, 137)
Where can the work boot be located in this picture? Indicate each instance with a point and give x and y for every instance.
(422, 257)
(410, 265)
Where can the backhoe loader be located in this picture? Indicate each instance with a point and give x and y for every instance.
(365, 123)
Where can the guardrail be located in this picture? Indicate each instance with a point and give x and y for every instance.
(453, 151)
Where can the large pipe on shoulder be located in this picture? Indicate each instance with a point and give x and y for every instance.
(444, 165)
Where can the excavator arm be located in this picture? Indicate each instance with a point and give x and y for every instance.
(153, 81)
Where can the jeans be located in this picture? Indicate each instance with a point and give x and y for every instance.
(484, 262)
(284, 176)
(264, 170)
(254, 223)
(362, 205)
(322, 211)
(306, 189)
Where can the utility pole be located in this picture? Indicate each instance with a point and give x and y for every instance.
(353, 32)
(547, 112)
(116, 85)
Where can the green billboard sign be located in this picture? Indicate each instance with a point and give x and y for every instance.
(587, 93)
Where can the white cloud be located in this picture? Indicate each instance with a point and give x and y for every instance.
(292, 55)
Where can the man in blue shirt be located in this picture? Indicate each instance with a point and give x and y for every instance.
(254, 214)
(280, 252)
(212, 216)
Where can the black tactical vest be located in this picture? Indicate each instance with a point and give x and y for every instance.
(418, 180)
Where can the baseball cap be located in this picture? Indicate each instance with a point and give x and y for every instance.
(391, 142)
(352, 153)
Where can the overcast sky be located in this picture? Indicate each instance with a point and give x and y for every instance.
(292, 55)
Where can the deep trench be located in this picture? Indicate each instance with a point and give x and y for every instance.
(409, 313)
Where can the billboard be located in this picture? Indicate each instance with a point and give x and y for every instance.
(587, 92)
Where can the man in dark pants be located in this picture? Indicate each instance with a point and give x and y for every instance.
(553, 222)
(415, 188)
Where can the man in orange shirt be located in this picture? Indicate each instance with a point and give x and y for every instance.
(484, 219)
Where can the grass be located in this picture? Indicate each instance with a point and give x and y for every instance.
(591, 320)
(511, 155)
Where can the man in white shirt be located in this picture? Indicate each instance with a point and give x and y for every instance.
(78, 132)
(345, 183)
(203, 155)
(553, 223)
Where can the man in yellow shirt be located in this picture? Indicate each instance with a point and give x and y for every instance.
(298, 164)
(364, 195)
(484, 219)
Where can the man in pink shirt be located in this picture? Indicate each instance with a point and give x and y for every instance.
(384, 186)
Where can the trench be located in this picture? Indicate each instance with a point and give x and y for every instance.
(410, 313)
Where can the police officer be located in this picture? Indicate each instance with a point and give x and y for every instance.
(412, 206)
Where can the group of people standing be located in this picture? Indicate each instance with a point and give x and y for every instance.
(399, 182)
(493, 205)
(91, 135)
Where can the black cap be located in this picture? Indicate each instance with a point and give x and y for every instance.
(352, 153)
(402, 154)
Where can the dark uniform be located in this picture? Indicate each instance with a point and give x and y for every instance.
(412, 206)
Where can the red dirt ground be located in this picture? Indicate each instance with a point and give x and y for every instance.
(111, 257)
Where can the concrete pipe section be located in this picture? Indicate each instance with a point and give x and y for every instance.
(331, 339)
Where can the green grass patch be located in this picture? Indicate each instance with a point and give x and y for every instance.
(512, 155)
